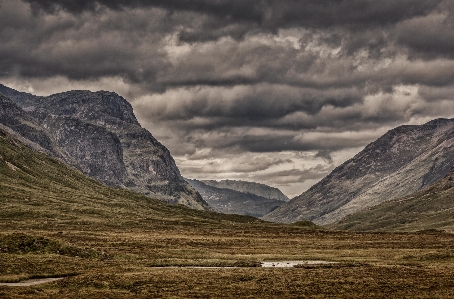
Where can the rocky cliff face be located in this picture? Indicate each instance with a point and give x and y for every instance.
(17, 120)
(98, 133)
(402, 161)
(228, 201)
(97, 152)
(261, 190)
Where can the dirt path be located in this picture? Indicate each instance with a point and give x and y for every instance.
(31, 282)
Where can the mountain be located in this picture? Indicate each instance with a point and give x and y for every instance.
(430, 208)
(404, 160)
(21, 125)
(43, 193)
(98, 133)
(229, 201)
(261, 190)
(18, 122)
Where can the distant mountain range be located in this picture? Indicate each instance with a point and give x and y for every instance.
(258, 189)
(430, 208)
(239, 197)
(404, 160)
(97, 133)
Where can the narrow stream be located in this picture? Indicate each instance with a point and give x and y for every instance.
(277, 264)
(30, 282)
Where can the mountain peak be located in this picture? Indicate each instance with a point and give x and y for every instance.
(98, 133)
(10, 92)
(91, 106)
(440, 122)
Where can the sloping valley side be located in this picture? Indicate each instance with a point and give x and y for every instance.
(404, 160)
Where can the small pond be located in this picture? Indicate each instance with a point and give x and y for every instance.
(289, 264)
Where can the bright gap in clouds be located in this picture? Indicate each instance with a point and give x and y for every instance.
(291, 171)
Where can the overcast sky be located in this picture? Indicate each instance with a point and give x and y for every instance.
(271, 91)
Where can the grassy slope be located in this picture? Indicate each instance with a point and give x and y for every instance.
(56, 222)
(431, 208)
(39, 192)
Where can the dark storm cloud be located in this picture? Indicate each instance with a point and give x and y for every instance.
(239, 79)
(279, 107)
(271, 140)
(325, 155)
(252, 164)
(243, 105)
(428, 37)
(250, 62)
(436, 94)
(358, 24)
(129, 44)
(358, 64)
(282, 143)
(269, 13)
(238, 18)
(81, 48)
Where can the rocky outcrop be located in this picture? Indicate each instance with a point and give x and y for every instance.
(402, 161)
(100, 135)
(228, 201)
(97, 151)
(261, 190)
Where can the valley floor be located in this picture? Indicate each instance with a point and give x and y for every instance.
(113, 243)
(174, 262)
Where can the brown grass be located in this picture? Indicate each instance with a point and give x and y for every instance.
(112, 243)
(416, 265)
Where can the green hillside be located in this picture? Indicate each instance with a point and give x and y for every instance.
(431, 208)
(39, 192)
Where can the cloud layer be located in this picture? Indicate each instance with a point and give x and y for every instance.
(273, 91)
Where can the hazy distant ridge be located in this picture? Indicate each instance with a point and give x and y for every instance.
(249, 187)
(229, 201)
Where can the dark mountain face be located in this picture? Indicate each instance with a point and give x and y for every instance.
(98, 133)
(228, 201)
(24, 127)
(261, 190)
(97, 151)
(402, 161)
(17, 120)
(430, 208)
